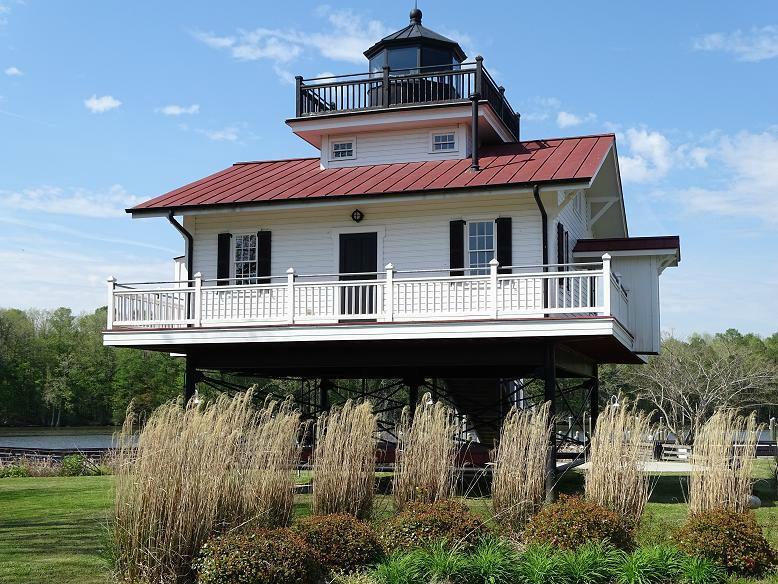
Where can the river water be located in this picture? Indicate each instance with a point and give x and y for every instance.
(57, 438)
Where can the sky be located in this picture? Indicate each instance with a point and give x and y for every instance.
(106, 104)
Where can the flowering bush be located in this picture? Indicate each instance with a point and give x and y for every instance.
(340, 542)
(732, 540)
(424, 523)
(274, 556)
(572, 521)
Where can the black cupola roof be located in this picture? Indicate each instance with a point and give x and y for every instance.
(416, 35)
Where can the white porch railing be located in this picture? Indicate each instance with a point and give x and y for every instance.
(391, 295)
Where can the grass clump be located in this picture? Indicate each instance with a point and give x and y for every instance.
(342, 543)
(276, 556)
(571, 521)
(494, 561)
(723, 460)
(615, 479)
(659, 564)
(591, 563)
(518, 479)
(198, 471)
(344, 461)
(697, 570)
(732, 540)
(426, 454)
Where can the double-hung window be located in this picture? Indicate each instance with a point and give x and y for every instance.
(246, 259)
(480, 246)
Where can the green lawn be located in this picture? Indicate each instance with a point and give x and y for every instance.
(55, 530)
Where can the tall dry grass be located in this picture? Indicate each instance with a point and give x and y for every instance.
(722, 460)
(518, 478)
(619, 447)
(197, 471)
(426, 454)
(344, 460)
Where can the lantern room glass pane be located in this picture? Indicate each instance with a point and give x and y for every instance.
(435, 57)
(403, 58)
(377, 62)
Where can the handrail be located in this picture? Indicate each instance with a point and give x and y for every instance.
(402, 87)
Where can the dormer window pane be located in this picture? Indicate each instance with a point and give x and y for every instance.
(343, 149)
(444, 142)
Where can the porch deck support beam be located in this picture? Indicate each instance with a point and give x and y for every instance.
(594, 399)
(190, 378)
(550, 391)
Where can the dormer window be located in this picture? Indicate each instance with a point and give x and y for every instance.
(344, 149)
(444, 141)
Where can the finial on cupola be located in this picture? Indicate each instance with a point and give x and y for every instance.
(416, 16)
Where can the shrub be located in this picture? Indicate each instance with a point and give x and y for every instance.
(76, 465)
(493, 561)
(571, 521)
(344, 460)
(539, 565)
(425, 523)
(13, 471)
(651, 565)
(518, 479)
(733, 540)
(695, 570)
(341, 542)
(275, 556)
(591, 563)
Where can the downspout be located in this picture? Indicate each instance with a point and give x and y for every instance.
(544, 226)
(189, 244)
(544, 223)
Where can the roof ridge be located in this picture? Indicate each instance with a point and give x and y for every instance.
(602, 135)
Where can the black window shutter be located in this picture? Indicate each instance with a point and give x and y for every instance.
(504, 244)
(457, 247)
(560, 245)
(223, 258)
(263, 264)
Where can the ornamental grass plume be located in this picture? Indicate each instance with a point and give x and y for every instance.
(518, 479)
(426, 454)
(344, 460)
(615, 479)
(722, 460)
(200, 470)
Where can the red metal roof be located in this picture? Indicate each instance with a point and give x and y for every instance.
(538, 161)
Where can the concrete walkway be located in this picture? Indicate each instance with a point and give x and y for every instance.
(658, 467)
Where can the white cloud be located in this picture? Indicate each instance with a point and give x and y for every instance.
(648, 158)
(566, 119)
(538, 109)
(99, 105)
(5, 10)
(748, 177)
(228, 134)
(179, 110)
(754, 45)
(13, 72)
(346, 37)
(71, 201)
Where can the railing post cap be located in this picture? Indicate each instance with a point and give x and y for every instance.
(389, 266)
(479, 58)
(606, 256)
(198, 275)
(300, 77)
(290, 271)
(112, 279)
(494, 262)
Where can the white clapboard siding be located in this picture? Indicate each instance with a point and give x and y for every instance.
(412, 234)
(640, 274)
(409, 145)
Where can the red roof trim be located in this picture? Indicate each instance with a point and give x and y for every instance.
(520, 164)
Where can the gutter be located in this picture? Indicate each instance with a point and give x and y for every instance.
(189, 244)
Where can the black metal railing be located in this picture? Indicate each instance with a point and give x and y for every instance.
(403, 87)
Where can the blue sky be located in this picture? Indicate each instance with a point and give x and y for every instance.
(103, 104)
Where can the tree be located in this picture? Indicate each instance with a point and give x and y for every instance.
(688, 380)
